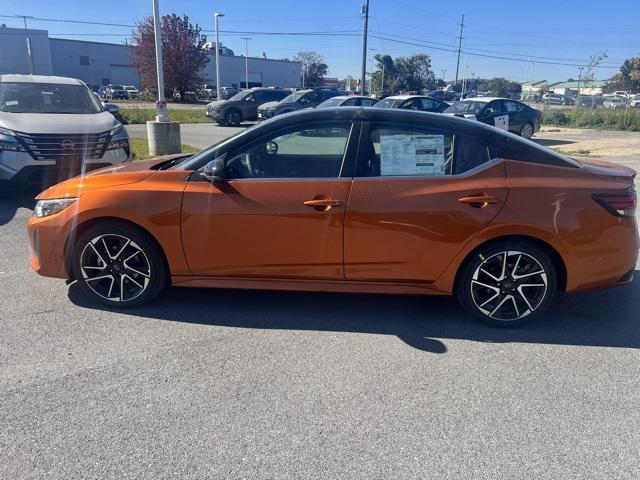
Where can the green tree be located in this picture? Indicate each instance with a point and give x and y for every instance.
(411, 73)
(498, 86)
(314, 66)
(183, 58)
(628, 78)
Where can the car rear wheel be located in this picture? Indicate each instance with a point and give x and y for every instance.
(118, 265)
(526, 131)
(507, 284)
(233, 118)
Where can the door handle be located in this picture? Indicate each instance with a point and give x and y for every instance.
(479, 201)
(323, 204)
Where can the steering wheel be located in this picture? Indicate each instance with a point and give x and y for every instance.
(253, 164)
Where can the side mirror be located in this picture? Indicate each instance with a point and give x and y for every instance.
(214, 170)
(271, 148)
(111, 108)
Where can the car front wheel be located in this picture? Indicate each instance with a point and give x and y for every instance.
(233, 118)
(118, 265)
(508, 283)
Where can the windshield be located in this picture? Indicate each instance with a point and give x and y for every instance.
(26, 97)
(388, 103)
(294, 96)
(466, 107)
(239, 96)
(332, 102)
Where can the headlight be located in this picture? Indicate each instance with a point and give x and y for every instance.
(9, 142)
(44, 208)
(6, 131)
(117, 130)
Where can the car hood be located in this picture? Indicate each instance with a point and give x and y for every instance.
(107, 177)
(57, 122)
(268, 105)
(217, 103)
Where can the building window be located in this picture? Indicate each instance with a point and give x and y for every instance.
(84, 60)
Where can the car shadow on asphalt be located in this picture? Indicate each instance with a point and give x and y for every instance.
(608, 318)
(11, 201)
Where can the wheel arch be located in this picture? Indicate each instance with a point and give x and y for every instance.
(82, 227)
(553, 253)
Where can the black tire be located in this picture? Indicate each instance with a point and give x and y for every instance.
(147, 269)
(233, 118)
(527, 131)
(221, 123)
(486, 274)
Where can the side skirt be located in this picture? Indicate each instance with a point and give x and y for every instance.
(305, 285)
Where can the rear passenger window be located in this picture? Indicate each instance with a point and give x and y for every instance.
(513, 107)
(414, 151)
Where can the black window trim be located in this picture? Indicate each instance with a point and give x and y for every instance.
(346, 165)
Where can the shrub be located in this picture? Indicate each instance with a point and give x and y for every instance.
(600, 118)
(132, 116)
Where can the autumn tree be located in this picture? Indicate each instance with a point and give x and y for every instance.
(628, 78)
(314, 66)
(183, 58)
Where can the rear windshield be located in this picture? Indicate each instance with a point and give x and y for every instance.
(26, 97)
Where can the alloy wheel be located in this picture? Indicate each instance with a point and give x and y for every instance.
(509, 285)
(115, 267)
(527, 131)
(234, 119)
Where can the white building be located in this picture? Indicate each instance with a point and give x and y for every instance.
(98, 63)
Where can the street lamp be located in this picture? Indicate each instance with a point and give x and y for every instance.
(246, 61)
(161, 105)
(32, 68)
(371, 50)
(216, 15)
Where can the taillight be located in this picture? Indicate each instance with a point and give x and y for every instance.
(620, 204)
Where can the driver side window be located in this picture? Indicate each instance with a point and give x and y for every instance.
(314, 151)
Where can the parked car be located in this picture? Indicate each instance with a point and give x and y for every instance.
(503, 113)
(635, 102)
(243, 106)
(444, 96)
(615, 103)
(308, 98)
(348, 101)
(590, 101)
(132, 91)
(208, 91)
(53, 128)
(348, 200)
(413, 102)
(227, 92)
(557, 99)
(116, 92)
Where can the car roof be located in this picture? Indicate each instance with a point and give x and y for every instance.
(39, 79)
(485, 99)
(346, 97)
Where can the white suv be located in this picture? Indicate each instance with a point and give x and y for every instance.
(53, 128)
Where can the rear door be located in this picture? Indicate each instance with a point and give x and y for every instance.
(419, 195)
(517, 115)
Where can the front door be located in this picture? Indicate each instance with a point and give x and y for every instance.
(279, 214)
(419, 195)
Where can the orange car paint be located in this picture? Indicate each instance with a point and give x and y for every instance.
(389, 236)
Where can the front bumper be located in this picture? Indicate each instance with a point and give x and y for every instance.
(22, 167)
(264, 114)
(48, 240)
(214, 114)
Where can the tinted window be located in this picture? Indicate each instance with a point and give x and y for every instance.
(333, 102)
(392, 150)
(469, 107)
(367, 102)
(494, 108)
(312, 97)
(513, 106)
(297, 152)
(428, 104)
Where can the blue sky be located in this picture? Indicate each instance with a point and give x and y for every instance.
(543, 31)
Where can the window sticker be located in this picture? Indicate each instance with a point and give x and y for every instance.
(502, 122)
(10, 103)
(412, 155)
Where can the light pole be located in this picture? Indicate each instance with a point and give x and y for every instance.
(246, 61)
(161, 106)
(371, 50)
(32, 68)
(216, 15)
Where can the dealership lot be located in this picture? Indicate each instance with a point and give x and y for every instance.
(242, 384)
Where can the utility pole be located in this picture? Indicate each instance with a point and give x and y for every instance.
(246, 61)
(459, 49)
(216, 16)
(32, 67)
(382, 81)
(365, 11)
(464, 78)
(161, 105)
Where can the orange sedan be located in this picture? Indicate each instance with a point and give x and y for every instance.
(348, 200)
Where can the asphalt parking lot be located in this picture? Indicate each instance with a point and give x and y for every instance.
(257, 385)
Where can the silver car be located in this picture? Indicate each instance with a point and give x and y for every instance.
(53, 128)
